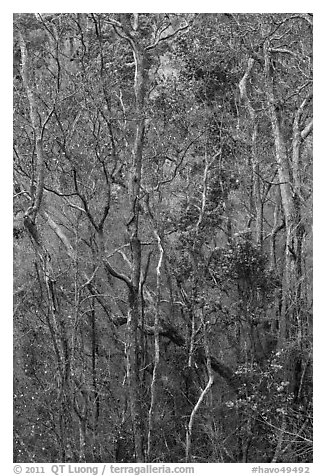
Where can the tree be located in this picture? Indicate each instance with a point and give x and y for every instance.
(162, 186)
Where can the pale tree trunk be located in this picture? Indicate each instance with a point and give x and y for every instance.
(203, 394)
(290, 190)
(289, 204)
(194, 260)
(134, 314)
(258, 203)
(135, 300)
(156, 349)
(210, 381)
(274, 266)
(299, 135)
(133, 35)
(55, 322)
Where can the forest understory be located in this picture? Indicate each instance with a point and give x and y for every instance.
(162, 237)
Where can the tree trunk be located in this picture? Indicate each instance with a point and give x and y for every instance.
(54, 319)
(157, 349)
(258, 203)
(287, 198)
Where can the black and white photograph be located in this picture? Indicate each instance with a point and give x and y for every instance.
(162, 239)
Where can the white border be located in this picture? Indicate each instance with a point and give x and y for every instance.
(318, 468)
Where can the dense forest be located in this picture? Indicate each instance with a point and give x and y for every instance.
(162, 188)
